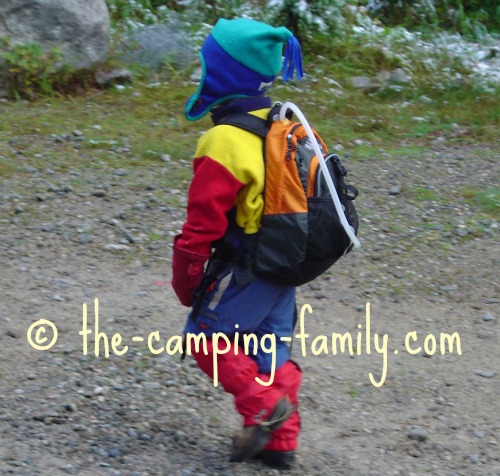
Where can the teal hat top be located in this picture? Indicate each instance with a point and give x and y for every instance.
(242, 58)
(256, 45)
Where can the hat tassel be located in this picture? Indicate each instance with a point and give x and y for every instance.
(293, 60)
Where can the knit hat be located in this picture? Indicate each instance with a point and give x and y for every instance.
(242, 58)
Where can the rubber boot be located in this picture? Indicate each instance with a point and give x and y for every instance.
(252, 439)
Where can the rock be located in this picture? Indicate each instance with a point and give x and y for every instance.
(361, 82)
(85, 239)
(98, 450)
(485, 373)
(48, 228)
(79, 29)
(425, 100)
(54, 188)
(396, 190)
(114, 453)
(158, 44)
(127, 234)
(417, 433)
(488, 317)
(115, 76)
(484, 335)
(399, 76)
(449, 288)
(383, 76)
(117, 247)
(152, 385)
(196, 75)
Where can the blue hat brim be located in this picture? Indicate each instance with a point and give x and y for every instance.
(197, 106)
(222, 79)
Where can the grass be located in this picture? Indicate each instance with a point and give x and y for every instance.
(425, 195)
(487, 201)
(7, 167)
(352, 392)
(129, 129)
(155, 237)
(394, 125)
(134, 127)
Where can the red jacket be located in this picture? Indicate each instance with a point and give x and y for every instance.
(228, 171)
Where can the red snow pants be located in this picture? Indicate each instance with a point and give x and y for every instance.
(254, 401)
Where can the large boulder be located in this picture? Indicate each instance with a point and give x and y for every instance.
(155, 46)
(80, 28)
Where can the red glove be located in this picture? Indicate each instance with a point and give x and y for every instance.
(188, 268)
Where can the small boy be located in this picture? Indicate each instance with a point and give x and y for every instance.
(240, 60)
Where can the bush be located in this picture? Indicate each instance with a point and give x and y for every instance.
(311, 19)
(129, 13)
(27, 71)
(471, 18)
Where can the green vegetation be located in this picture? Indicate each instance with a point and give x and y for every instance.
(352, 392)
(30, 72)
(140, 123)
(425, 195)
(29, 68)
(488, 201)
(353, 40)
(472, 18)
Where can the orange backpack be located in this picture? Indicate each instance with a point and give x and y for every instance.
(309, 219)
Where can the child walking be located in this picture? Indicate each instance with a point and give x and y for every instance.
(212, 256)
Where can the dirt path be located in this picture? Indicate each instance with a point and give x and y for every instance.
(428, 267)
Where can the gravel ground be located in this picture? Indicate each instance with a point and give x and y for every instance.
(428, 264)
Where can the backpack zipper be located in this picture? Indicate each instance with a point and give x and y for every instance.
(289, 138)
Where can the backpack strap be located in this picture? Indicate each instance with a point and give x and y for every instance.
(246, 121)
(252, 123)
